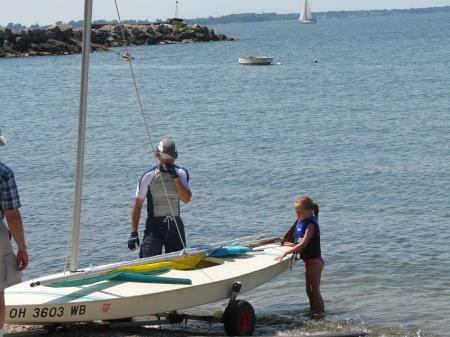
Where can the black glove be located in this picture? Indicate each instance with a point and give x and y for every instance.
(171, 170)
(133, 240)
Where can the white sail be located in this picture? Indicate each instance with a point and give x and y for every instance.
(306, 15)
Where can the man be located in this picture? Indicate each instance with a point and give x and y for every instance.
(164, 186)
(10, 264)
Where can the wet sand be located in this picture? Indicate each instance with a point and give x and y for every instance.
(103, 329)
(93, 329)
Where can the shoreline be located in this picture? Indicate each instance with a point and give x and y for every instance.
(147, 327)
(94, 329)
(66, 40)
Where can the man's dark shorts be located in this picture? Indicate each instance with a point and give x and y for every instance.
(162, 232)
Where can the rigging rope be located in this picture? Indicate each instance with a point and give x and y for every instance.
(146, 125)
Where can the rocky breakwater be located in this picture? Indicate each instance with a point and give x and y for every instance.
(64, 40)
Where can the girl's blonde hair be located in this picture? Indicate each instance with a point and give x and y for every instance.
(308, 204)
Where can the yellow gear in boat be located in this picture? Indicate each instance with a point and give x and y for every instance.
(181, 263)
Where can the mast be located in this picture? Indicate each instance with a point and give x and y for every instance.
(76, 214)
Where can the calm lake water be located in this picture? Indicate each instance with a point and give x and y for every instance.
(364, 132)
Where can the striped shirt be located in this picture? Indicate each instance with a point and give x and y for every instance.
(9, 196)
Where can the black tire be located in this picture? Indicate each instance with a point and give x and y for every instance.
(239, 319)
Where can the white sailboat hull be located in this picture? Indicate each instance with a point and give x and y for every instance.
(109, 300)
(256, 60)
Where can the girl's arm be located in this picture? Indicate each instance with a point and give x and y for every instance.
(309, 233)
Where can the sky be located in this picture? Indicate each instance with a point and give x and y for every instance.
(47, 12)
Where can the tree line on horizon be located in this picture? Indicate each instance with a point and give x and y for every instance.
(250, 17)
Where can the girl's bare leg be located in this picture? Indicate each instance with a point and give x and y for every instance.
(308, 290)
(313, 273)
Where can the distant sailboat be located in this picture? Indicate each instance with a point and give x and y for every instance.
(306, 15)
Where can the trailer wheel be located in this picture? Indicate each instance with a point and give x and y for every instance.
(239, 319)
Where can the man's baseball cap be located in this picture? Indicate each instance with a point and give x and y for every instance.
(167, 149)
(2, 139)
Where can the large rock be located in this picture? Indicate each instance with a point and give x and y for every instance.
(49, 35)
(165, 29)
(21, 41)
(55, 29)
(4, 33)
(118, 29)
(66, 30)
(57, 43)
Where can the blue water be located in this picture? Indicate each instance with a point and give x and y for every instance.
(364, 132)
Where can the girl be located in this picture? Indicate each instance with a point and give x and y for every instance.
(307, 243)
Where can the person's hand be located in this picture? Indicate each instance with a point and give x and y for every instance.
(281, 257)
(290, 244)
(133, 241)
(22, 259)
(171, 170)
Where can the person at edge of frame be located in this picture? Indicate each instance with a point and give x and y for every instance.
(11, 266)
